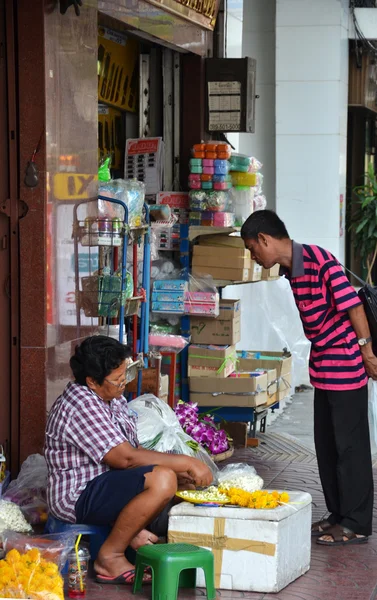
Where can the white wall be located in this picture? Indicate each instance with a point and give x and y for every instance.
(259, 43)
(233, 44)
(311, 119)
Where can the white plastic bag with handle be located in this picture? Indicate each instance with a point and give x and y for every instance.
(372, 414)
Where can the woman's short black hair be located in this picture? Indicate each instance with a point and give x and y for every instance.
(97, 357)
(264, 221)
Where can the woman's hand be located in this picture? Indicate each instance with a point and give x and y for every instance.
(200, 474)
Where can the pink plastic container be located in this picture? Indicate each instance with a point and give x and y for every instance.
(195, 185)
(194, 177)
(220, 185)
(208, 162)
(208, 170)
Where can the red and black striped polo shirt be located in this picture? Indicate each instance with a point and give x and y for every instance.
(324, 296)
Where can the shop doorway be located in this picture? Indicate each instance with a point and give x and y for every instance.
(5, 337)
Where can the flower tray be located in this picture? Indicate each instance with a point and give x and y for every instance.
(223, 456)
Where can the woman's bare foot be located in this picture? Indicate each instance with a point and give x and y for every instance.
(112, 566)
(143, 538)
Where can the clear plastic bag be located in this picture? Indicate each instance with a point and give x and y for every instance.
(12, 517)
(129, 191)
(32, 566)
(240, 476)
(29, 489)
(158, 429)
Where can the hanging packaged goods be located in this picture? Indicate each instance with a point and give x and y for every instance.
(118, 77)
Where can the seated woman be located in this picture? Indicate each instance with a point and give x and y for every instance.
(98, 474)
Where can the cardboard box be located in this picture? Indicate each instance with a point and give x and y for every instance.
(272, 381)
(168, 296)
(220, 332)
(255, 271)
(209, 309)
(223, 274)
(211, 361)
(226, 263)
(232, 391)
(269, 360)
(254, 550)
(218, 253)
(229, 241)
(273, 273)
(229, 309)
(284, 386)
(232, 261)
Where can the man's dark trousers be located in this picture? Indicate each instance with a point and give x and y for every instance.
(341, 433)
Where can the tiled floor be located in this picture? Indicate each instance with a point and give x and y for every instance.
(335, 574)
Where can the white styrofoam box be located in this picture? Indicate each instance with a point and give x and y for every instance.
(255, 550)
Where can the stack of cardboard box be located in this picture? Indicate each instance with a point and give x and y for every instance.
(217, 379)
(225, 258)
(278, 365)
(213, 380)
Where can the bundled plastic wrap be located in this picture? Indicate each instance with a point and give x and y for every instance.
(29, 489)
(129, 191)
(243, 203)
(211, 201)
(240, 162)
(32, 566)
(167, 343)
(240, 476)
(255, 165)
(260, 202)
(158, 429)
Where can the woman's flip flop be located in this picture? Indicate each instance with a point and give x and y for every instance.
(126, 578)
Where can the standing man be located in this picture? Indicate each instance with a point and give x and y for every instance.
(341, 360)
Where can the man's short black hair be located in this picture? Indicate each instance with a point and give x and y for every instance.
(97, 357)
(264, 221)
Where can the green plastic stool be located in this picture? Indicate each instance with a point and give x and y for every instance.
(174, 566)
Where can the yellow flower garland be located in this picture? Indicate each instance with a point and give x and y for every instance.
(29, 575)
(260, 499)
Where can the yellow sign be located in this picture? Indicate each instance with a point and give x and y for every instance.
(118, 69)
(110, 135)
(199, 12)
(218, 542)
(73, 186)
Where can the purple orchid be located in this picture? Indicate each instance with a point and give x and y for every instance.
(202, 429)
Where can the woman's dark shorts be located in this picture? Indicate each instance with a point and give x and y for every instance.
(105, 497)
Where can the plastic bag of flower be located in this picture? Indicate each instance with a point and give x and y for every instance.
(158, 429)
(12, 518)
(241, 476)
(32, 566)
(29, 489)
